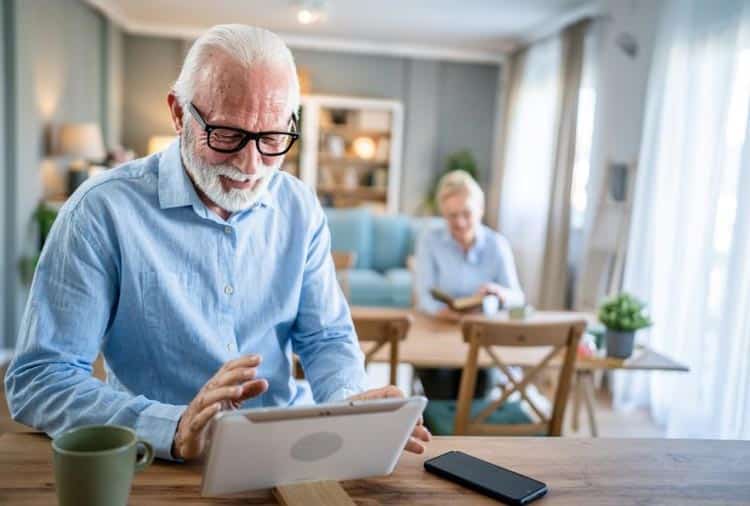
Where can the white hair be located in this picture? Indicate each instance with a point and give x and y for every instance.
(247, 44)
(460, 181)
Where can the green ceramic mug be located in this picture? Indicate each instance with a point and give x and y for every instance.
(94, 465)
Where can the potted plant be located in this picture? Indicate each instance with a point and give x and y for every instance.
(623, 316)
(44, 217)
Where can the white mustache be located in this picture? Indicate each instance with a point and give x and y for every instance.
(233, 173)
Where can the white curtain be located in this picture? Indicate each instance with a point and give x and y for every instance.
(689, 251)
(530, 150)
(540, 151)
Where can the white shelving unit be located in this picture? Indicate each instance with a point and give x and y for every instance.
(312, 162)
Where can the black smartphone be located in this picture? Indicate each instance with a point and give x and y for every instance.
(488, 479)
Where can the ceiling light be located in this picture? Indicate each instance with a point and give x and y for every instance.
(310, 11)
(307, 17)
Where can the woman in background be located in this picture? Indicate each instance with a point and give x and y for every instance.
(463, 257)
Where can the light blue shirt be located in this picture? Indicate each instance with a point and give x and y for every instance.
(442, 263)
(138, 268)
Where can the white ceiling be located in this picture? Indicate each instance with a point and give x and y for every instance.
(458, 29)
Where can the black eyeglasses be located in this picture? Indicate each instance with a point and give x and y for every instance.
(226, 139)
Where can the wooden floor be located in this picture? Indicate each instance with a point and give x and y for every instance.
(611, 424)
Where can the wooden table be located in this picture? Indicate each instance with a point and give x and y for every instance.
(438, 343)
(602, 472)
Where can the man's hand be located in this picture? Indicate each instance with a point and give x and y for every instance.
(420, 433)
(231, 385)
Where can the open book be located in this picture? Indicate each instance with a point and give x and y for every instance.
(460, 303)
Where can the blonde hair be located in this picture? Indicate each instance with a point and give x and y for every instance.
(459, 181)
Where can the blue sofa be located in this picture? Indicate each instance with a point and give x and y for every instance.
(382, 244)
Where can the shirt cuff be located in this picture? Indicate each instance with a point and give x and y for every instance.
(157, 425)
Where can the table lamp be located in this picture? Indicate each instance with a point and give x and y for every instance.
(82, 142)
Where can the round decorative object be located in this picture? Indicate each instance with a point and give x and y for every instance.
(316, 446)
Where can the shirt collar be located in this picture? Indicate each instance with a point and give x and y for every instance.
(175, 187)
(177, 190)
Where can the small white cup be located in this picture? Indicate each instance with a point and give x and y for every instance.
(490, 305)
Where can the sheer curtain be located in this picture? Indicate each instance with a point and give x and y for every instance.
(539, 147)
(689, 251)
(530, 150)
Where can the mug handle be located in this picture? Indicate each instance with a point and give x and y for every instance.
(147, 457)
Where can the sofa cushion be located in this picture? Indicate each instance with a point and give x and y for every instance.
(401, 288)
(391, 240)
(351, 230)
(369, 288)
(439, 416)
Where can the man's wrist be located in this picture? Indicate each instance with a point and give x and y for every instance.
(174, 450)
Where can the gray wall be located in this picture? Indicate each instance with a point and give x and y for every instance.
(113, 62)
(421, 162)
(58, 78)
(151, 66)
(448, 106)
(466, 110)
(4, 174)
(354, 74)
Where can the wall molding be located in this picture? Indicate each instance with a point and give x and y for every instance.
(559, 23)
(116, 14)
(106, 85)
(10, 249)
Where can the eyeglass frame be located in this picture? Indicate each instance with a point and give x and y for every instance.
(248, 135)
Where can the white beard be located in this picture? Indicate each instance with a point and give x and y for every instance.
(206, 177)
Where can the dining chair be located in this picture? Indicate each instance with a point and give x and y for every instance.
(383, 327)
(504, 416)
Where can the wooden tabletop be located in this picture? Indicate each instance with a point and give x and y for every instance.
(602, 472)
(438, 343)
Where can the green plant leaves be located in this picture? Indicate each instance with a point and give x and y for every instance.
(624, 313)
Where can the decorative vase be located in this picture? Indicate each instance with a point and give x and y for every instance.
(619, 343)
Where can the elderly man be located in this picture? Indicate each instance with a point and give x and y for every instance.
(196, 271)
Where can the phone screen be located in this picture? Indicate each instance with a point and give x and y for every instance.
(485, 477)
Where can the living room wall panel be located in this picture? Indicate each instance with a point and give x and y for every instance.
(4, 176)
(373, 76)
(466, 108)
(151, 67)
(114, 61)
(421, 121)
(57, 77)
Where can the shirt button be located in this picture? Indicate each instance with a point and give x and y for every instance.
(229, 346)
(228, 290)
(228, 230)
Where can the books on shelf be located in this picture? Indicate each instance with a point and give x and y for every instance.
(458, 303)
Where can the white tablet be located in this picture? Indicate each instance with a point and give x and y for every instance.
(261, 448)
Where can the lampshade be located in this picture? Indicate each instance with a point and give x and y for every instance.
(81, 140)
(159, 143)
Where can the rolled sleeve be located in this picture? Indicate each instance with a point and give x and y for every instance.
(157, 424)
(323, 334)
(49, 383)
